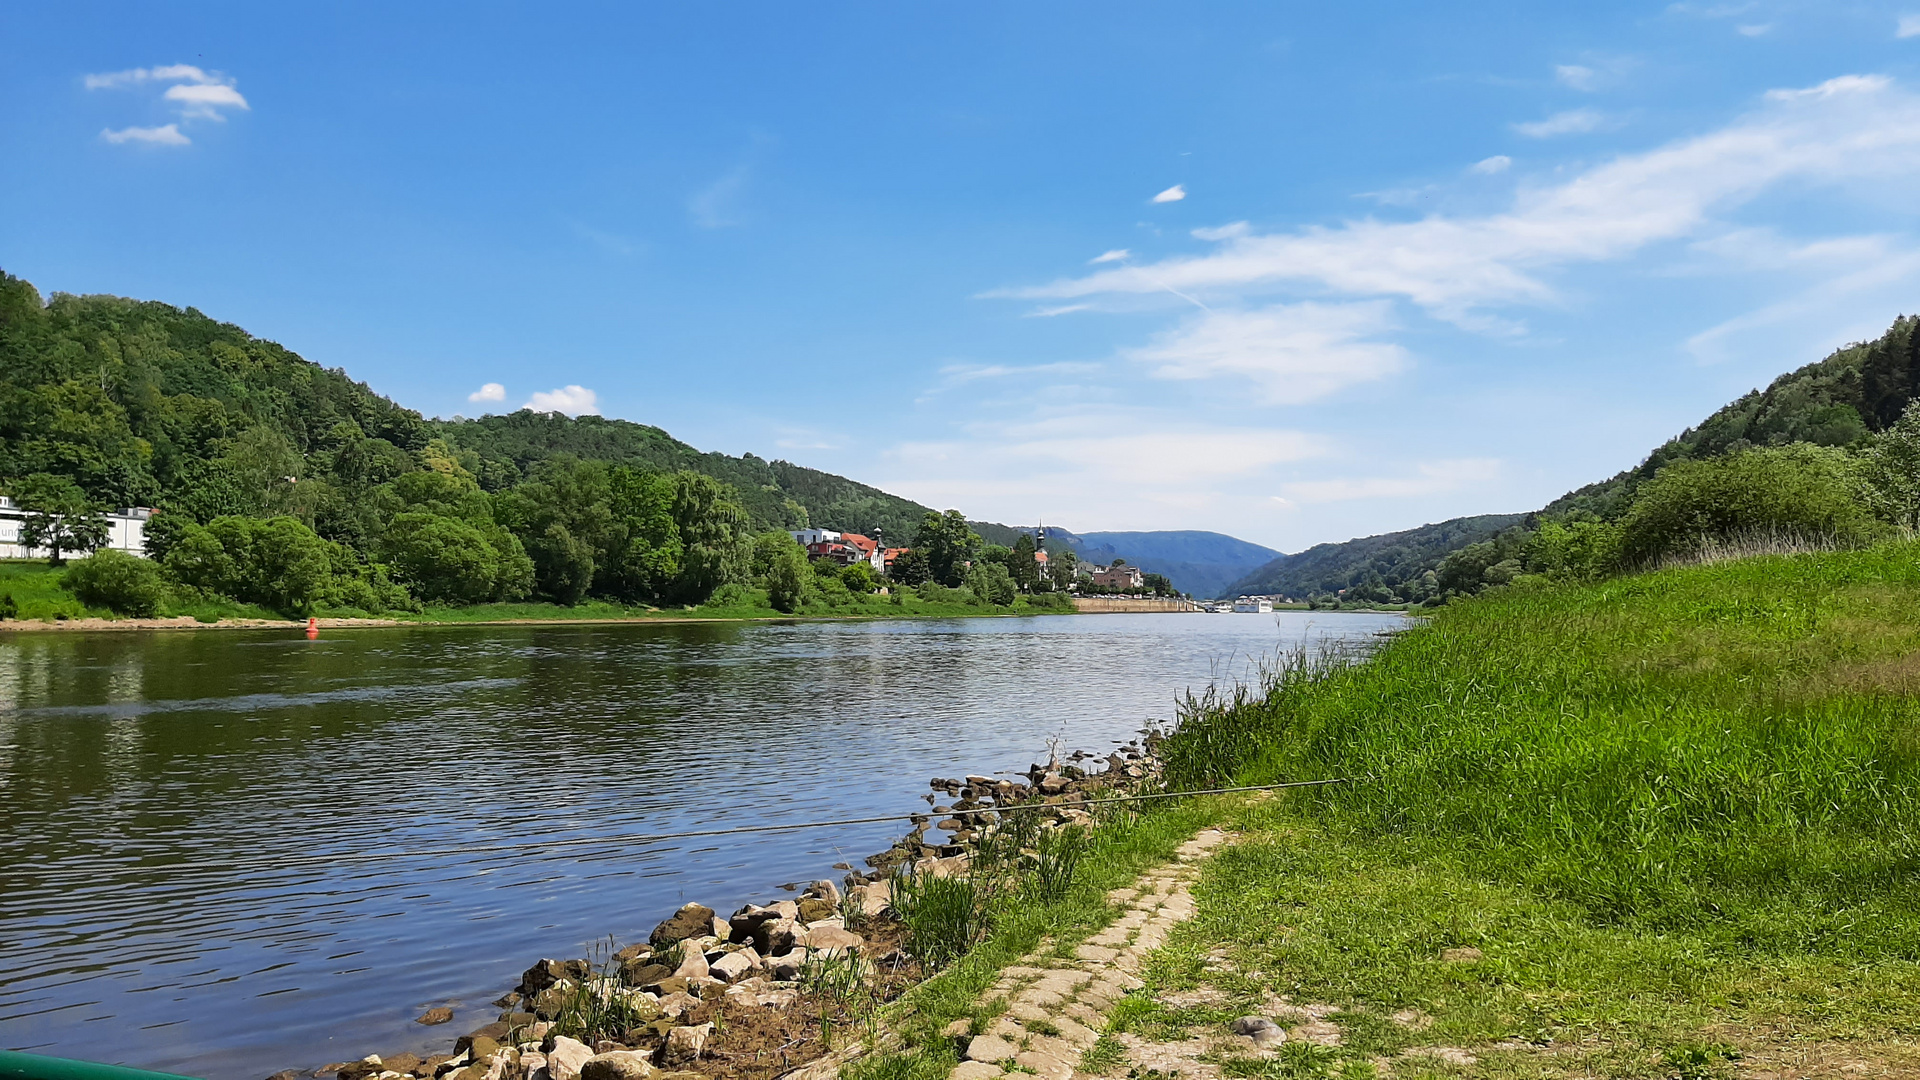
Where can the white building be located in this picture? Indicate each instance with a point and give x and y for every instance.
(126, 531)
(809, 537)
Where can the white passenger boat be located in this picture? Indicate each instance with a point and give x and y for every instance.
(1253, 605)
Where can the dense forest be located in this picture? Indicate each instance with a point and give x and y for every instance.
(287, 485)
(1831, 434)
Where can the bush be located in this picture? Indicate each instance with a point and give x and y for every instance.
(991, 583)
(1811, 493)
(123, 583)
(859, 579)
(782, 564)
(448, 559)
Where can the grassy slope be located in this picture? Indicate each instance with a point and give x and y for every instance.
(1678, 813)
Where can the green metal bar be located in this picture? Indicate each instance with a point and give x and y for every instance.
(17, 1066)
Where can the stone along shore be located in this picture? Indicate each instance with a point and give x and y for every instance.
(750, 996)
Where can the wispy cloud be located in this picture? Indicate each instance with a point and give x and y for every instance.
(1848, 129)
(205, 100)
(134, 76)
(716, 206)
(1753, 29)
(164, 135)
(1291, 353)
(1115, 255)
(1908, 26)
(1570, 122)
(492, 391)
(1577, 76)
(573, 399)
(1498, 163)
(1172, 194)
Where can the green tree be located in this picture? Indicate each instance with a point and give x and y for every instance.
(949, 544)
(713, 535)
(113, 579)
(1021, 564)
(446, 559)
(1797, 492)
(990, 583)
(60, 517)
(910, 567)
(858, 578)
(274, 562)
(562, 565)
(1892, 467)
(789, 580)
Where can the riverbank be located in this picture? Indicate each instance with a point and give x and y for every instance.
(1656, 826)
(42, 603)
(794, 986)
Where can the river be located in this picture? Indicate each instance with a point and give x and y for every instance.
(233, 852)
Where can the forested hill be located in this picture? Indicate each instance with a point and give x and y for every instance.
(777, 493)
(145, 404)
(1839, 401)
(1390, 559)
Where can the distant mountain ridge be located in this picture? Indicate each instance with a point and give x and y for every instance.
(1196, 561)
(1391, 557)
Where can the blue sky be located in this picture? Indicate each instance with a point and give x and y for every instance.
(1296, 273)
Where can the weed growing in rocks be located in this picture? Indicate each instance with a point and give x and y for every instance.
(944, 916)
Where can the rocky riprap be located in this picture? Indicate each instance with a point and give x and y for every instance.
(707, 992)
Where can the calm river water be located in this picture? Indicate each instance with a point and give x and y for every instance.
(197, 826)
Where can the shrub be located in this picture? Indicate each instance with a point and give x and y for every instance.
(448, 559)
(782, 564)
(991, 583)
(1811, 492)
(859, 579)
(944, 916)
(118, 581)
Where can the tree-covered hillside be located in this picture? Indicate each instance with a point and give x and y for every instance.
(1390, 560)
(1853, 399)
(145, 404)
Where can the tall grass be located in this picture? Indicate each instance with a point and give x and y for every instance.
(1731, 745)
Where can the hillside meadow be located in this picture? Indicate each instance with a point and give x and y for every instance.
(1655, 826)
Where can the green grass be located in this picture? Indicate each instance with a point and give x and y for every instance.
(1679, 813)
(36, 588)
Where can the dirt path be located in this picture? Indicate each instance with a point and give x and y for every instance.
(1056, 1009)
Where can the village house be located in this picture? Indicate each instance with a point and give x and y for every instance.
(1118, 577)
(126, 531)
(843, 548)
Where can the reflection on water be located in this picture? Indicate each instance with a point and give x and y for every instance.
(188, 817)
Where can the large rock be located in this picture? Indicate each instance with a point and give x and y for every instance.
(633, 952)
(547, 972)
(566, 1058)
(1054, 784)
(677, 1004)
(439, 1014)
(873, 897)
(692, 920)
(642, 970)
(617, 1065)
(693, 965)
(548, 1004)
(1261, 1030)
(787, 965)
(824, 889)
(735, 966)
(813, 909)
(833, 940)
(684, 1045)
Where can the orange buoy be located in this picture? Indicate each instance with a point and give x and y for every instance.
(313, 628)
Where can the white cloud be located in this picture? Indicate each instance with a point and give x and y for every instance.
(1908, 26)
(1570, 122)
(1058, 309)
(1753, 29)
(1577, 76)
(1231, 231)
(196, 94)
(574, 400)
(1115, 255)
(1849, 129)
(1291, 352)
(164, 73)
(205, 99)
(1172, 194)
(1429, 478)
(492, 391)
(164, 135)
(1498, 163)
